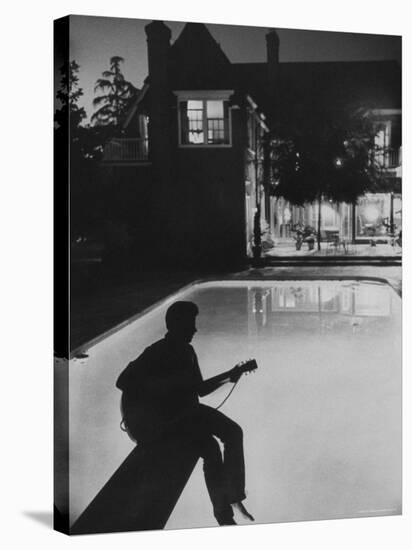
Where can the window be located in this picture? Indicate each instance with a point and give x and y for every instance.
(372, 215)
(204, 122)
(217, 121)
(251, 131)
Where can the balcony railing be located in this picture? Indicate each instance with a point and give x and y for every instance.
(126, 150)
(393, 158)
(389, 158)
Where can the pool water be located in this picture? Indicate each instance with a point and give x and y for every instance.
(321, 416)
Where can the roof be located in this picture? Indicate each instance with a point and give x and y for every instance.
(252, 78)
(134, 105)
(376, 84)
(197, 62)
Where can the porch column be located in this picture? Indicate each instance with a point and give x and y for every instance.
(353, 209)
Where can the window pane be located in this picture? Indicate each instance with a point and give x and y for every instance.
(194, 104)
(372, 214)
(215, 109)
(192, 121)
(217, 122)
(226, 118)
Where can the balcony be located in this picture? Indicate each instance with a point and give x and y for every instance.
(126, 151)
(393, 158)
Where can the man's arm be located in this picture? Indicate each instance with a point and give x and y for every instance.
(205, 387)
(211, 384)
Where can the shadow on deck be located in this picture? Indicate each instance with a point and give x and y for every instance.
(143, 492)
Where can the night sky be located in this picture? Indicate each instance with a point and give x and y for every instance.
(95, 39)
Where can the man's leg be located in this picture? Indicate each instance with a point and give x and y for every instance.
(196, 434)
(231, 435)
(215, 479)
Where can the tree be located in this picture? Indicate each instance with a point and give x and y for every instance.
(324, 151)
(85, 141)
(76, 150)
(116, 93)
(69, 116)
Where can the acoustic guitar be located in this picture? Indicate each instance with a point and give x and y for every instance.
(138, 417)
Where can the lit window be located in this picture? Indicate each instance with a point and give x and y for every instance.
(204, 122)
(192, 122)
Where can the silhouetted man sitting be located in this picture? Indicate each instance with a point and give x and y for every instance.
(161, 390)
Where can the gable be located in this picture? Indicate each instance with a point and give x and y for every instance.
(197, 62)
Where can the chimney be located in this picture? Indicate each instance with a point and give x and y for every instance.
(160, 140)
(158, 45)
(272, 49)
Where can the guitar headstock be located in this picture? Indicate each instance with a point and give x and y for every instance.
(249, 365)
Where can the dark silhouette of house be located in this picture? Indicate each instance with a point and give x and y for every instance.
(185, 165)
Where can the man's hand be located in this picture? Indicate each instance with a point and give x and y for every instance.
(212, 384)
(235, 374)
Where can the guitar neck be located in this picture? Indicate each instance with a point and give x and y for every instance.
(243, 367)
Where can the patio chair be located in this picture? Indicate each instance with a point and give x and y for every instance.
(346, 245)
(331, 237)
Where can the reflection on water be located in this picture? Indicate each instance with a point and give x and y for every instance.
(352, 299)
(321, 416)
(333, 304)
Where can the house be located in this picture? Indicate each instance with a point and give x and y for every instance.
(188, 168)
(375, 85)
(185, 160)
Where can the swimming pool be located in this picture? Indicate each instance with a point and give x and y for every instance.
(321, 417)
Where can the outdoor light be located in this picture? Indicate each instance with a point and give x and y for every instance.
(287, 215)
(338, 162)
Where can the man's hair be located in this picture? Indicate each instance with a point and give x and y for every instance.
(179, 312)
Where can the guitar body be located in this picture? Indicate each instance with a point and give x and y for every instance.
(140, 420)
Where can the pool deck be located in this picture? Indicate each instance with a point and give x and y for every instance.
(105, 308)
(364, 250)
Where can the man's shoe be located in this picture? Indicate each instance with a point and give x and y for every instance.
(240, 507)
(225, 517)
(227, 522)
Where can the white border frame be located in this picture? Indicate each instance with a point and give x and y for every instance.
(27, 273)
